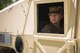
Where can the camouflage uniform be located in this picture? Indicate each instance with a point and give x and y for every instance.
(49, 28)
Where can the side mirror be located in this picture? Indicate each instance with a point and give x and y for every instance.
(19, 44)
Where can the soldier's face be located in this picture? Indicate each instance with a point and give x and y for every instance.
(55, 18)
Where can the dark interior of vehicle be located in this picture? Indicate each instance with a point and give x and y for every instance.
(4, 49)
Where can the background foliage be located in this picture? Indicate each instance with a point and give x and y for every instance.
(5, 3)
